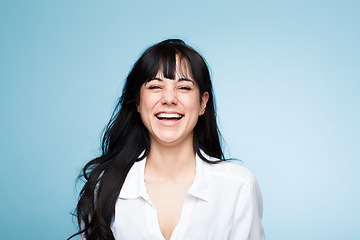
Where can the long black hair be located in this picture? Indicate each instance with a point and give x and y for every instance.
(126, 137)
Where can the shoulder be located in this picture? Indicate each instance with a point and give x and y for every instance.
(232, 171)
(232, 177)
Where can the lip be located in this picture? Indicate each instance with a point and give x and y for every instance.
(169, 122)
(169, 112)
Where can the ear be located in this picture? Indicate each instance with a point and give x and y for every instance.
(204, 100)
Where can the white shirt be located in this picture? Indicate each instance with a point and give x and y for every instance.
(224, 202)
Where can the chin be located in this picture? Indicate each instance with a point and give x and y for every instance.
(169, 140)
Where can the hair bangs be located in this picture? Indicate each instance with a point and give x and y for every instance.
(169, 60)
(167, 63)
(175, 64)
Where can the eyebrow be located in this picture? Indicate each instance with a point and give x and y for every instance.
(155, 78)
(186, 79)
(180, 80)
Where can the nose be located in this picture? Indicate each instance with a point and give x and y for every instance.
(169, 97)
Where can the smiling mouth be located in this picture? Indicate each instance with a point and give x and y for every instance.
(169, 116)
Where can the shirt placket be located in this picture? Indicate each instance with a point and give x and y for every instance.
(180, 229)
(152, 222)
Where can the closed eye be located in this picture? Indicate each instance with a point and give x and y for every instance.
(185, 88)
(154, 87)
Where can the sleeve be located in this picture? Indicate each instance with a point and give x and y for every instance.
(248, 214)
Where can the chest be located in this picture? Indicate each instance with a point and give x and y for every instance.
(168, 199)
(137, 219)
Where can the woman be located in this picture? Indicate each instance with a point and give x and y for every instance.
(162, 173)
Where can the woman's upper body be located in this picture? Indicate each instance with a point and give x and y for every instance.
(223, 202)
(184, 189)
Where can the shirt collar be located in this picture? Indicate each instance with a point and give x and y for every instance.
(201, 185)
(134, 185)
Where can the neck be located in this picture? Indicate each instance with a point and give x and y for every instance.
(171, 161)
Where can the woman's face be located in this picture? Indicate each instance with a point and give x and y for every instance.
(170, 108)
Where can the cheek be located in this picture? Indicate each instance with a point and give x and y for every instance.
(142, 101)
(143, 108)
(146, 103)
(192, 104)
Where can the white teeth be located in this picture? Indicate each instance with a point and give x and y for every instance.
(168, 115)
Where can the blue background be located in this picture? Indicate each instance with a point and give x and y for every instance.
(286, 78)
